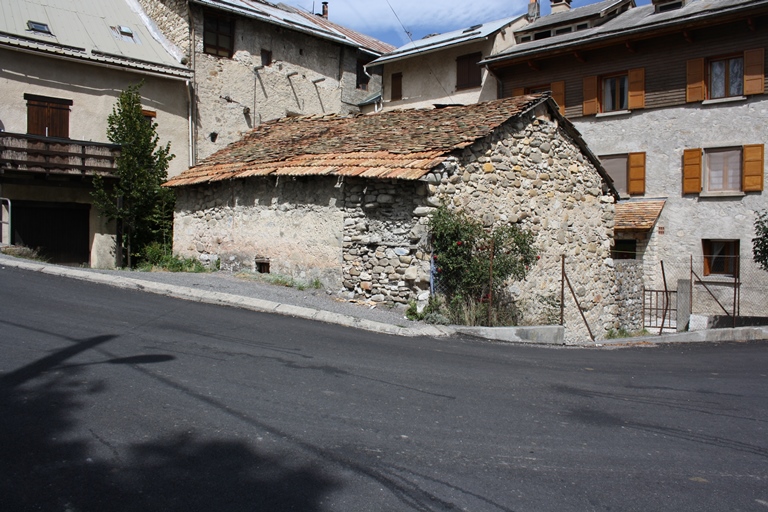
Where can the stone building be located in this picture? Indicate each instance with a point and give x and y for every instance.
(347, 201)
(672, 97)
(255, 61)
(63, 66)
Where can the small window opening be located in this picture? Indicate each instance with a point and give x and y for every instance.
(266, 58)
(582, 26)
(542, 35)
(36, 26)
(564, 30)
(262, 265)
(624, 250)
(126, 31)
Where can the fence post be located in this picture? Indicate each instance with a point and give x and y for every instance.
(562, 291)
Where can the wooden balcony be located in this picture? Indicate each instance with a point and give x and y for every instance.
(37, 155)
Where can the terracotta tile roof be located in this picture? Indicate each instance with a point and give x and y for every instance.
(400, 144)
(637, 215)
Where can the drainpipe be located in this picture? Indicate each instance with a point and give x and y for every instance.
(191, 122)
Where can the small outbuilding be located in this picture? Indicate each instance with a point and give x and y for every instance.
(347, 201)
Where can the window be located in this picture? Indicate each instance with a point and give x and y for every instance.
(266, 58)
(218, 35)
(468, 73)
(362, 77)
(721, 257)
(397, 87)
(47, 116)
(627, 172)
(615, 93)
(612, 93)
(723, 170)
(624, 250)
(149, 116)
(41, 28)
(726, 77)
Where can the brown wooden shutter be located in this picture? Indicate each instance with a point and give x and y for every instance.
(590, 105)
(692, 171)
(754, 71)
(695, 89)
(48, 117)
(752, 168)
(636, 181)
(37, 117)
(558, 94)
(518, 91)
(397, 87)
(58, 121)
(636, 88)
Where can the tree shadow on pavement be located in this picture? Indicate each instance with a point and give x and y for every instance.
(45, 466)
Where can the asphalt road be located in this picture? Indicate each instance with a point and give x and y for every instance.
(122, 401)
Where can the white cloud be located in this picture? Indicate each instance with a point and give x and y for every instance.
(376, 17)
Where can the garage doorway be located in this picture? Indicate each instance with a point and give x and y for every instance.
(59, 231)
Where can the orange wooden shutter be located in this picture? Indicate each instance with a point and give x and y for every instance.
(636, 181)
(754, 71)
(558, 94)
(692, 171)
(752, 168)
(706, 249)
(518, 91)
(695, 89)
(590, 105)
(636, 88)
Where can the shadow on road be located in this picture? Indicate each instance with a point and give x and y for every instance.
(45, 466)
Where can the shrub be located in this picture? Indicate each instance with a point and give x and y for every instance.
(760, 242)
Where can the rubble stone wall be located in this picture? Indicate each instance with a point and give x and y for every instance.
(171, 18)
(629, 281)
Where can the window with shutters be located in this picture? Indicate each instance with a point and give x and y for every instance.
(723, 171)
(218, 35)
(617, 92)
(627, 172)
(48, 117)
(721, 257)
(468, 73)
(732, 76)
(396, 87)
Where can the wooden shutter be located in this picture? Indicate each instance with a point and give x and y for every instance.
(754, 71)
(558, 94)
(37, 117)
(692, 171)
(636, 88)
(48, 117)
(590, 105)
(695, 89)
(752, 168)
(636, 178)
(397, 87)
(58, 121)
(518, 91)
(468, 73)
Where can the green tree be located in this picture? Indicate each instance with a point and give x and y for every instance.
(142, 208)
(760, 242)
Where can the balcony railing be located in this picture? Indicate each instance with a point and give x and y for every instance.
(49, 155)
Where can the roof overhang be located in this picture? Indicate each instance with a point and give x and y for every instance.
(637, 216)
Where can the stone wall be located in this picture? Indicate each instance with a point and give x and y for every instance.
(531, 173)
(294, 223)
(629, 299)
(172, 18)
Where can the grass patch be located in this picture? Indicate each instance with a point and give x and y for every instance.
(281, 280)
(20, 251)
(158, 257)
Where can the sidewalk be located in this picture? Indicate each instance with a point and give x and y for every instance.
(227, 289)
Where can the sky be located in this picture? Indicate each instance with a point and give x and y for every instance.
(385, 19)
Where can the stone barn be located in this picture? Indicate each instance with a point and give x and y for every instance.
(347, 201)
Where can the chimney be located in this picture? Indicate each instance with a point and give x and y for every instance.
(325, 10)
(533, 10)
(560, 5)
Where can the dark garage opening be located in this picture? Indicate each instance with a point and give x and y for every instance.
(59, 231)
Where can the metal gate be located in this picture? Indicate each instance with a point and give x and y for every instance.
(659, 309)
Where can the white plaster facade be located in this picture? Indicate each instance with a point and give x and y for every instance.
(663, 134)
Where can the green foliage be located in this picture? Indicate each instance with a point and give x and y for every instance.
(474, 265)
(760, 242)
(137, 200)
(156, 256)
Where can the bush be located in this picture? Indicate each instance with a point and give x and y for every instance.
(156, 256)
(473, 266)
(760, 242)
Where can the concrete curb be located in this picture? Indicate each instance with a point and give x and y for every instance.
(539, 335)
(227, 299)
